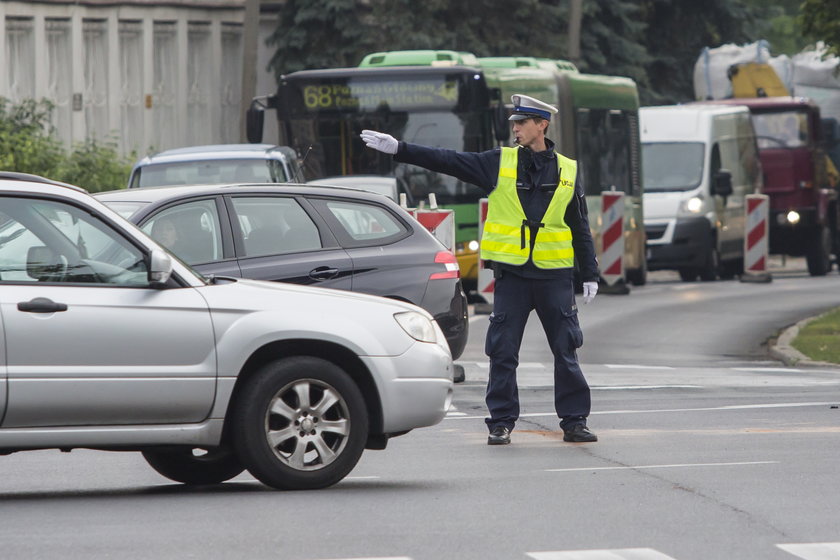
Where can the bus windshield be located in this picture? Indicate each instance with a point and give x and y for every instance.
(322, 114)
(672, 166)
(330, 146)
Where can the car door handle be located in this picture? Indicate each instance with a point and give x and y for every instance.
(323, 273)
(41, 305)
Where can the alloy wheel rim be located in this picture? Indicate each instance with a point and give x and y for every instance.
(307, 424)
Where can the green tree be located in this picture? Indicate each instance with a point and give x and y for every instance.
(612, 40)
(777, 22)
(320, 34)
(677, 32)
(820, 22)
(655, 42)
(482, 27)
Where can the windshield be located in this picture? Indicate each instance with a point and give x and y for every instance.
(124, 209)
(209, 172)
(331, 146)
(672, 166)
(785, 129)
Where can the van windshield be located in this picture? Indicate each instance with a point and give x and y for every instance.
(672, 166)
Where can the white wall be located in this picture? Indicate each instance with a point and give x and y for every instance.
(144, 77)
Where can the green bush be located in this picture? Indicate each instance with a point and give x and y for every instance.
(28, 144)
(95, 166)
(27, 140)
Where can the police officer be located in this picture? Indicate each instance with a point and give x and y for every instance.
(536, 226)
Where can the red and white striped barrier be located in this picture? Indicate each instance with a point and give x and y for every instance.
(441, 223)
(612, 237)
(756, 239)
(486, 282)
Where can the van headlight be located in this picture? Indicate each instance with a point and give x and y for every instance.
(417, 326)
(693, 205)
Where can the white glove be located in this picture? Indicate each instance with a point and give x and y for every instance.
(589, 291)
(380, 141)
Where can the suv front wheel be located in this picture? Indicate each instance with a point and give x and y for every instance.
(300, 423)
(194, 466)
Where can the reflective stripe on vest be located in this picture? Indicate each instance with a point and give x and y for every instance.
(507, 231)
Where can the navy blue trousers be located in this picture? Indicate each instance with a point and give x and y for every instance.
(554, 301)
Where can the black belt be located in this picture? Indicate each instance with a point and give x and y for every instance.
(531, 224)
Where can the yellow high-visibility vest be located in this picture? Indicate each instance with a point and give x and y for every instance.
(507, 231)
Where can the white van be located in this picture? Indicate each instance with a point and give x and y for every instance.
(699, 162)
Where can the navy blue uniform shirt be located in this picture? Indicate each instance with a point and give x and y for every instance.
(536, 181)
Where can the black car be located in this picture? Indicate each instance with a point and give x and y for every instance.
(333, 237)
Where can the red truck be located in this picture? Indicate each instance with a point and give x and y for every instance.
(799, 177)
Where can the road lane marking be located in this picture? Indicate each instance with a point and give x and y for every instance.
(769, 369)
(633, 366)
(604, 554)
(376, 558)
(814, 551)
(654, 411)
(642, 387)
(674, 466)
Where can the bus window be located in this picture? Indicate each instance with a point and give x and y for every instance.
(604, 140)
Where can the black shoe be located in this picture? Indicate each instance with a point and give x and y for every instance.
(499, 436)
(579, 433)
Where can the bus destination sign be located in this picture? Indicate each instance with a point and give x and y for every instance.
(365, 95)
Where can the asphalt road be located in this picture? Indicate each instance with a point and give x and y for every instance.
(708, 450)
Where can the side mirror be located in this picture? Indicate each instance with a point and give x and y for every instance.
(829, 132)
(254, 122)
(722, 183)
(160, 268)
(501, 125)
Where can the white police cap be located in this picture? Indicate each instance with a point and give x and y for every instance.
(525, 107)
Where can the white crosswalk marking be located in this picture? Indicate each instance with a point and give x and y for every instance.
(813, 551)
(615, 554)
(371, 558)
(809, 551)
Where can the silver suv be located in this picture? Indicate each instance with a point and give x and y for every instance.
(108, 343)
(217, 164)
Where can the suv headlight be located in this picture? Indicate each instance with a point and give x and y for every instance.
(417, 325)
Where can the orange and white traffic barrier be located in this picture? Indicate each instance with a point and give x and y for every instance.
(756, 239)
(612, 237)
(486, 282)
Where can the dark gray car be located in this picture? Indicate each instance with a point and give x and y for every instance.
(332, 237)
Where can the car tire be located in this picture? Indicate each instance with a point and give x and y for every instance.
(688, 274)
(709, 271)
(818, 253)
(731, 269)
(183, 465)
(638, 276)
(300, 423)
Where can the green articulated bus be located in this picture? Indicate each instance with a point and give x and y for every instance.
(456, 100)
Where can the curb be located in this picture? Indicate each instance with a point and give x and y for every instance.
(781, 349)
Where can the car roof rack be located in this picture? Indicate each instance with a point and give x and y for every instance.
(15, 176)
